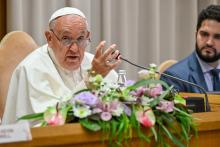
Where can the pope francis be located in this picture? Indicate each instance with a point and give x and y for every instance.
(59, 68)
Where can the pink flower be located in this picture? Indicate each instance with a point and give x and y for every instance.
(106, 116)
(56, 120)
(165, 106)
(54, 117)
(139, 92)
(108, 109)
(146, 118)
(155, 91)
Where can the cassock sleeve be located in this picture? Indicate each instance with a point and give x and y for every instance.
(16, 102)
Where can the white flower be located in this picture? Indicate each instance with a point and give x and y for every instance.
(146, 100)
(143, 74)
(118, 111)
(82, 112)
(152, 65)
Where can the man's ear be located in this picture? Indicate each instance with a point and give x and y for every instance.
(88, 35)
(196, 33)
(48, 37)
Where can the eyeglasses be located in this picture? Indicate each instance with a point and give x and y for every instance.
(68, 41)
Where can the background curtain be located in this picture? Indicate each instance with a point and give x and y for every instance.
(145, 31)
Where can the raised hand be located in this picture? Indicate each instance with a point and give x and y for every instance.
(105, 61)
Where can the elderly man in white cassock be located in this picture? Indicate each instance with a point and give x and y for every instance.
(59, 68)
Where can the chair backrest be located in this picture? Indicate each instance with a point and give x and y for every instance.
(166, 64)
(13, 48)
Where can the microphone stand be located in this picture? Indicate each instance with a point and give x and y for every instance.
(207, 107)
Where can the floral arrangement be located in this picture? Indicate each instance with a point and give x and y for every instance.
(120, 110)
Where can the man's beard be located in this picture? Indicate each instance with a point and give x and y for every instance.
(207, 57)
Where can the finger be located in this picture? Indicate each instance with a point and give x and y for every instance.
(114, 65)
(119, 56)
(109, 51)
(115, 54)
(99, 49)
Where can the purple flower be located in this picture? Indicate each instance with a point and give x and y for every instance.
(127, 110)
(86, 98)
(110, 106)
(96, 110)
(129, 82)
(114, 108)
(106, 116)
(139, 92)
(155, 91)
(166, 106)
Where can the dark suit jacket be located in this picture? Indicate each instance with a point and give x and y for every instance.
(187, 69)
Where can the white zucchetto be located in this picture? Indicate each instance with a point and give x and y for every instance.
(66, 11)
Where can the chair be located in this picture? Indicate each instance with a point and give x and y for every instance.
(166, 64)
(13, 48)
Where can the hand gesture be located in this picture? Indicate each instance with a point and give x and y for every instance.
(104, 62)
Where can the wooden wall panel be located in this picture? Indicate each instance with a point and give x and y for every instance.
(2, 18)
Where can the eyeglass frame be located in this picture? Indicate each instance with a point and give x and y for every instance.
(72, 41)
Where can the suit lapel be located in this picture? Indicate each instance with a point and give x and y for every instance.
(196, 75)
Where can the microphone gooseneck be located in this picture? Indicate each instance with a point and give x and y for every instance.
(207, 108)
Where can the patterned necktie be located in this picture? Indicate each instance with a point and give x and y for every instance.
(216, 81)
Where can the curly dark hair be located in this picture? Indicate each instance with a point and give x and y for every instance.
(211, 12)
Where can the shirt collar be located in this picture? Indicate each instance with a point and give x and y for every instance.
(204, 66)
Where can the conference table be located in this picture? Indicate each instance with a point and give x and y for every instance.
(75, 135)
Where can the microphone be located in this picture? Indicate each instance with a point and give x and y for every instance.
(207, 108)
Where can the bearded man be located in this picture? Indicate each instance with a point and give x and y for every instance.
(202, 66)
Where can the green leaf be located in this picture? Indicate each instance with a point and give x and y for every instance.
(166, 131)
(179, 99)
(43, 124)
(142, 135)
(64, 109)
(184, 133)
(121, 127)
(158, 99)
(171, 136)
(91, 125)
(154, 132)
(182, 112)
(32, 116)
(147, 82)
(114, 125)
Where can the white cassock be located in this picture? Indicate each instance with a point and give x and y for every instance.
(39, 81)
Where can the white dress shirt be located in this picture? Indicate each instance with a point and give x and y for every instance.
(206, 72)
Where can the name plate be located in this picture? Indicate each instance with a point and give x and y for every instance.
(15, 132)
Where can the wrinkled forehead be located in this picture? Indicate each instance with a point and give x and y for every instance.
(70, 21)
